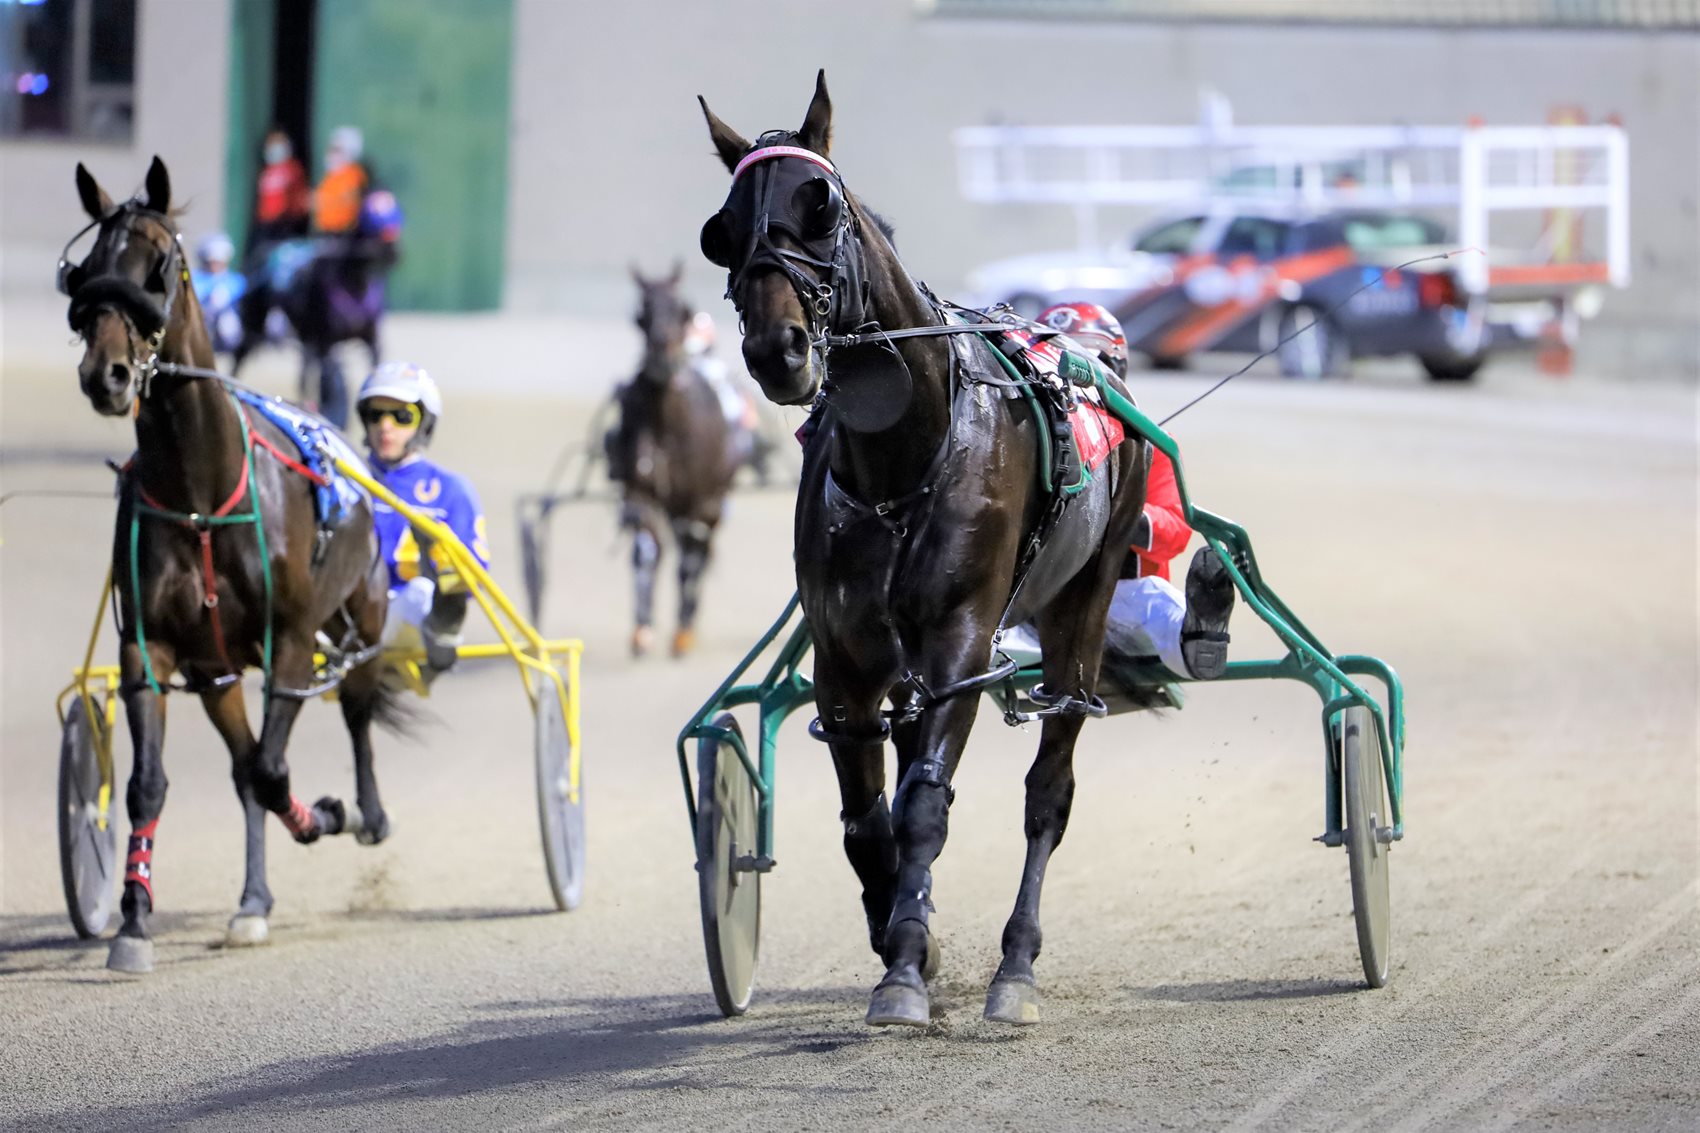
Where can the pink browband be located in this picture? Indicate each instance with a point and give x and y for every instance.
(771, 152)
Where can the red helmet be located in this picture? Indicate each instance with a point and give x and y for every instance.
(1094, 328)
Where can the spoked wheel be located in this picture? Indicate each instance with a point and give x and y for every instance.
(1365, 812)
(560, 809)
(731, 897)
(88, 850)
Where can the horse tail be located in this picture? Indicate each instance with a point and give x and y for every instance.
(397, 713)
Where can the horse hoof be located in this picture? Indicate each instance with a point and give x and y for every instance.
(683, 642)
(930, 966)
(246, 930)
(370, 833)
(642, 638)
(130, 954)
(1013, 1001)
(898, 1004)
(331, 816)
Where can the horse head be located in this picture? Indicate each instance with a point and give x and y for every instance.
(126, 290)
(662, 318)
(790, 240)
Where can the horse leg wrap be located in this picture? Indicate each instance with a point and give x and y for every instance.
(923, 773)
(646, 552)
(872, 849)
(914, 896)
(300, 821)
(138, 863)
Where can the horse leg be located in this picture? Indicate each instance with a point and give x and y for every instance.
(1071, 633)
(693, 537)
(132, 949)
(858, 756)
(292, 668)
(646, 558)
(230, 717)
(333, 391)
(361, 695)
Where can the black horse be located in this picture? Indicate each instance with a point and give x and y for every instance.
(674, 454)
(336, 297)
(219, 560)
(922, 494)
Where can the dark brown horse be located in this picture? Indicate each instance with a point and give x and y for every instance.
(196, 597)
(915, 539)
(673, 451)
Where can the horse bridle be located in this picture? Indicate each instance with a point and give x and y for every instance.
(121, 295)
(827, 274)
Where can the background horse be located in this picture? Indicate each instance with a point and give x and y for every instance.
(673, 452)
(335, 297)
(915, 542)
(194, 590)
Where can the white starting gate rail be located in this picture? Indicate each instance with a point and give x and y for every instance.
(1474, 172)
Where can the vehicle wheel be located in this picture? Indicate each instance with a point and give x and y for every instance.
(1310, 347)
(1027, 305)
(1364, 808)
(731, 898)
(1450, 368)
(560, 809)
(88, 850)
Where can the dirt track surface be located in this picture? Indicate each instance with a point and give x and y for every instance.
(1523, 552)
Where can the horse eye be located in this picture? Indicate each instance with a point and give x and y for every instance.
(818, 206)
(716, 240)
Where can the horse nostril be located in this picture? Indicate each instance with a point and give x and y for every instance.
(119, 376)
(796, 345)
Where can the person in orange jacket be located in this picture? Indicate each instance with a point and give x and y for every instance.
(1148, 615)
(342, 190)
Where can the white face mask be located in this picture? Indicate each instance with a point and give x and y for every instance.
(277, 152)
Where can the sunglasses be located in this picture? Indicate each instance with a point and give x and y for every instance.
(403, 415)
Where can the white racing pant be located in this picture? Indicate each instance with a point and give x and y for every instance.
(1145, 621)
(409, 604)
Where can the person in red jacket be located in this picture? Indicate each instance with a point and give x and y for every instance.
(1148, 616)
(280, 195)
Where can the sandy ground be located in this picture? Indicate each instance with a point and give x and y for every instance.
(1523, 552)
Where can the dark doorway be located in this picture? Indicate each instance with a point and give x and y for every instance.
(292, 74)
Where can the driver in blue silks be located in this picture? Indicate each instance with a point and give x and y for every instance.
(399, 405)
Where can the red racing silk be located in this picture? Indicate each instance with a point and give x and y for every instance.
(1169, 530)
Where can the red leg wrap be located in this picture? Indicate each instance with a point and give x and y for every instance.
(298, 819)
(138, 866)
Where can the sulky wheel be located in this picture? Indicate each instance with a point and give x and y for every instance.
(88, 840)
(560, 809)
(731, 897)
(1364, 808)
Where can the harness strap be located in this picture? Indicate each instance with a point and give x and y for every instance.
(290, 462)
(203, 525)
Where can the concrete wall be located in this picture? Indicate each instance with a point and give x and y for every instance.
(182, 68)
(610, 161)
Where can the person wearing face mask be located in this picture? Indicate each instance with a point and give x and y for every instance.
(281, 195)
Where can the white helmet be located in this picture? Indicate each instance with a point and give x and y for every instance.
(216, 246)
(404, 381)
(349, 140)
(700, 333)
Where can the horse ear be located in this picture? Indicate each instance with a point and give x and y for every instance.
(95, 201)
(728, 143)
(637, 276)
(159, 187)
(816, 133)
(678, 273)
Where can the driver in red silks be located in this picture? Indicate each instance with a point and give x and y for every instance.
(1149, 617)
